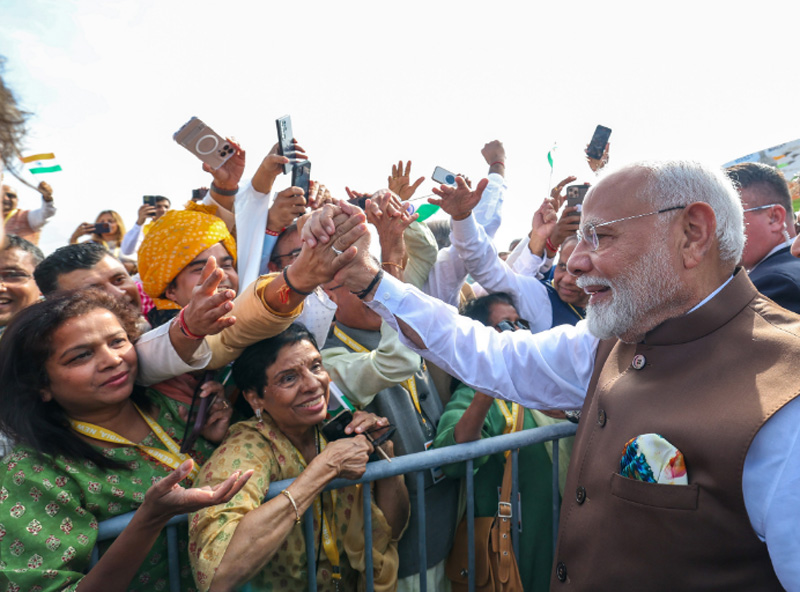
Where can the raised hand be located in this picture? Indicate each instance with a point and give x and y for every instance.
(272, 166)
(319, 262)
(598, 163)
(205, 313)
(495, 155)
(318, 195)
(167, 498)
(228, 175)
(145, 211)
(459, 201)
(556, 192)
(390, 219)
(288, 205)
(46, 191)
(399, 181)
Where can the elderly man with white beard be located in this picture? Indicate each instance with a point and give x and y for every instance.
(684, 472)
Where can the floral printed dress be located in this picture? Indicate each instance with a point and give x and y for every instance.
(265, 449)
(50, 510)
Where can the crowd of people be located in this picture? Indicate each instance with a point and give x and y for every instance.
(184, 365)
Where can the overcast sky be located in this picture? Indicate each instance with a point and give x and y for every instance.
(368, 83)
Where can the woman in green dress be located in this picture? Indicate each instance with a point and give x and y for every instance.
(90, 445)
(471, 415)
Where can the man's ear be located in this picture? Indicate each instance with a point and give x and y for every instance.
(777, 218)
(46, 395)
(273, 267)
(699, 231)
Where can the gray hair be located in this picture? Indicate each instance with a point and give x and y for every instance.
(681, 182)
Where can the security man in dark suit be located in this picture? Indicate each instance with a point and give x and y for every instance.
(770, 230)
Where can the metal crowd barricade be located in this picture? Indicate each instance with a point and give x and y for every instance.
(410, 463)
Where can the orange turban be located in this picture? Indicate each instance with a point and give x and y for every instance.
(173, 241)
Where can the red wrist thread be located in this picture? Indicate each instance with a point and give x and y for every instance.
(185, 329)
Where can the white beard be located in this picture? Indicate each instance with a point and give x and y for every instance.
(636, 295)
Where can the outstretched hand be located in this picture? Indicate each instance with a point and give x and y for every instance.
(556, 192)
(459, 201)
(205, 313)
(390, 219)
(167, 498)
(400, 181)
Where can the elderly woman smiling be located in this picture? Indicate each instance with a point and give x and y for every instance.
(246, 540)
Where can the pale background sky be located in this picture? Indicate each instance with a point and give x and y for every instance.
(368, 83)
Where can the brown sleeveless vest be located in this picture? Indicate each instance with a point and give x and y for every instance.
(706, 382)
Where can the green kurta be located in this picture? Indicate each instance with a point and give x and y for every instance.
(50, 510)
(535, 486)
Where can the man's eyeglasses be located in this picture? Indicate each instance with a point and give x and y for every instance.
(512, 325)
(757, 208)
(588, 233)
(11, 195)
(14, 277)
(291, 255)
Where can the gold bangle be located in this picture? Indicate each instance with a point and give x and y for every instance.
(294, 505)
(397, 265)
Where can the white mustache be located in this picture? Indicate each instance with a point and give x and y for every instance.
(584, 281)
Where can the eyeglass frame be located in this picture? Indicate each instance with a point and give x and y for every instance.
(506, 325)
(293, 253)
(583, 235)
(757, 208)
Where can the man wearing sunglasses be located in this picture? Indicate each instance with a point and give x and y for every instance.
(678, 344)
(769, 226)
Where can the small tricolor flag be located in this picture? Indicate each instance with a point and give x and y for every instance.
(42, 163)
(550, 157)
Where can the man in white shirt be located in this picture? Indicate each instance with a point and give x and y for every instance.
(691, 352)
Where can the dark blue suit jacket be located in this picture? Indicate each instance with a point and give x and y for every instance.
(778, 278)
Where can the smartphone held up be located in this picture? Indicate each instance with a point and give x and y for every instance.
(204, 143)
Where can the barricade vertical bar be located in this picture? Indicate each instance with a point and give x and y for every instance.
(311, 559)
(515, 510)
(423, 551)
(556, 493)
(470, 526)
(368, 535)
(173, 560)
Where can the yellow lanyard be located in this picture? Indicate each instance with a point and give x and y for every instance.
(328, 533)
(510, 417)
(575, 310)
(10, 214)
(410, 385)
(173, 459)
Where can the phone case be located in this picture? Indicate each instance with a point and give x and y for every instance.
(285, 137)
(301, 176)
(597, 145)
(204, 142)
(443, 176)
(334, 429)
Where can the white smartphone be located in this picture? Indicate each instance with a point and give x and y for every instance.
(443, 176)
(204, 143)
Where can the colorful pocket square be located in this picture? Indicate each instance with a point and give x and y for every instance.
(653, 459)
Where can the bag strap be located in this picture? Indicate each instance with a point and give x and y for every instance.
(504, 519)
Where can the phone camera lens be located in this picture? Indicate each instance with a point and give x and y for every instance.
(450, 179)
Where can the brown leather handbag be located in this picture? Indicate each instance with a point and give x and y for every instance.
(496, 567)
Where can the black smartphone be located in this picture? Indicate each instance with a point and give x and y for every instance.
(576, 193)
(198, 411)
(285, 137)
(149, 200)
(198, 194)
(334, 429)
(597, 145)
(301, 176)
(102, 228)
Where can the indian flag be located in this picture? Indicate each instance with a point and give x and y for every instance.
(42, 163)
